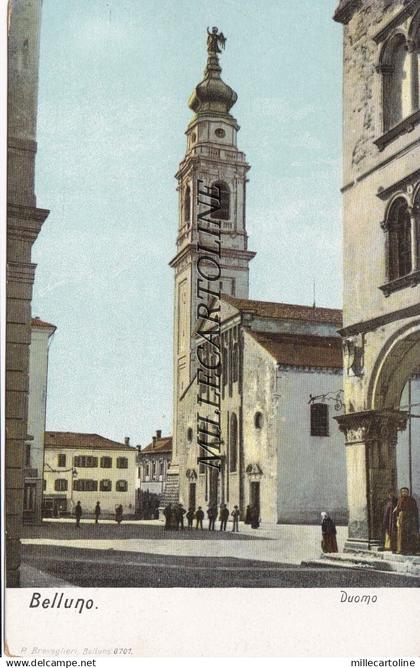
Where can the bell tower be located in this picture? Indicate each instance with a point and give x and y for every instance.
(212, 164)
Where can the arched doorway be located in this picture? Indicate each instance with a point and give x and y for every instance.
(374, 463)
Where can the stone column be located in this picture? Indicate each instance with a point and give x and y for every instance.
(414, 243)
(371, 438)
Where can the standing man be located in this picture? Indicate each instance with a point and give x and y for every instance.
(118, 514)
(211, 514)
(168, 514)
(78, 512)
(389, 523)
(179, 514)
(97, 512)
(407, 514)
(223, 517)
(190, 517)
(235, 514)
(199, 516)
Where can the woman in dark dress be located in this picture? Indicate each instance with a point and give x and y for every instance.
(248, 515)
(255, 517)
(329, 532)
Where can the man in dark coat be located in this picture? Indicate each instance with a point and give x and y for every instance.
(199, 516)
(78, 512)
(179, 514)
(223, 516)
(167, 514)
(235, 514)
(329, 541)
(118, 514)
(97, 512)
(390, 523)
(211, 514)
(190, 517)
(407, 514)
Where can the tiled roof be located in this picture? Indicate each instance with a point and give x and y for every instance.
(282, 311)
(37, 322)
(301, 350)
(163, 444)
(70, 439)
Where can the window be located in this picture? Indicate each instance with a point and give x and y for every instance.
(61, 485)
(61, 460)
(258, 420)
(396, 71)
(319, 420)
(27, 454)
(233, 443)
(235, 363)
(148, 469)
(85, 485)
(187, 204)
(225, 366)
(29, 497)
(85, 461)
(122, 463)
(106, 462)
(399, 230)
(44, 485)
(161, 468)
(399, 66)
(121, 486)
(190, 434)
(222, 191)
(202, 453)
(105, 486)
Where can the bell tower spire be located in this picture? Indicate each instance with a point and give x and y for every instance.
(212, 165)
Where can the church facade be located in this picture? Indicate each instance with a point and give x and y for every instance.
(381, 209)
(257, 428)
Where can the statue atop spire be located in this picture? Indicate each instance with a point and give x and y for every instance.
(212, 95)
(214, 38)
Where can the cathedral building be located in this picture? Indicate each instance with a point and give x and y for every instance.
(381, 222)
(255, 429)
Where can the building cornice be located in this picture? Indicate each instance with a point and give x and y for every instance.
(345, 10)
(385, 193)
(407, 10)
(380, 165)
(24, 222)
(373, 323)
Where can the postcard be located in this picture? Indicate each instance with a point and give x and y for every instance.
(212, 349)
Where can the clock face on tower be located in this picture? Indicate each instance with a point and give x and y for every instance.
(220, 132)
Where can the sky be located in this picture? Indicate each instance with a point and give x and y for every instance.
(115, 77)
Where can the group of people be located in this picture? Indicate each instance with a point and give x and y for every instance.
(174, 517)
(401, 523)
(78, 512)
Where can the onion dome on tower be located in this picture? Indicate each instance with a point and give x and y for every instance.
(212, 95)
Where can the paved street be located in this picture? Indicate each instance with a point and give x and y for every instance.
(143, 554)
(112, 568)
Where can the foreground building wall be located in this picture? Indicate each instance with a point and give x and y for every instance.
(24, 221)
(381, 198)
